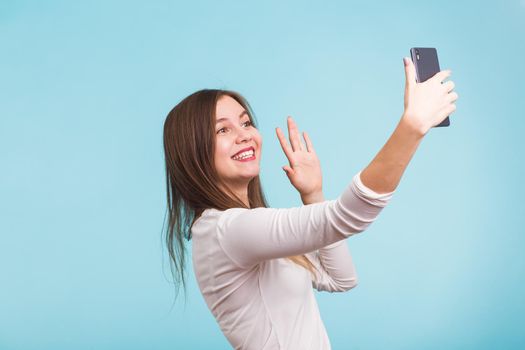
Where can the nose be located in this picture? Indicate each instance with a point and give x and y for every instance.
(244, 135)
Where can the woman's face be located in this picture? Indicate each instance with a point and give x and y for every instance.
(234, 133)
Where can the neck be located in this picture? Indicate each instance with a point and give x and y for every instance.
(242, 193)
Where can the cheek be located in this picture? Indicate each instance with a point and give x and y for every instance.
(222, 150)
(258, 139)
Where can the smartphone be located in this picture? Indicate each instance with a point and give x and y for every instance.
(427, 65)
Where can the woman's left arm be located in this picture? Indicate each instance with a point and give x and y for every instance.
(335, 270)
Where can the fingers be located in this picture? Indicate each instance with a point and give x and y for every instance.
(309, 146)
(440, 76)
(295, 138)
(284, 143)
(449, 85)
(410, 72)
(453, 96)
(289, 171)
(449, 109)
(445, 112)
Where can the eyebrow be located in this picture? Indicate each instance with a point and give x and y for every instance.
(240, 115)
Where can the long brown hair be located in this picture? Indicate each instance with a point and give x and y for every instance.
(191, 178)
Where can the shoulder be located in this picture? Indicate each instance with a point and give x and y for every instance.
(234, 218)
(212, 216)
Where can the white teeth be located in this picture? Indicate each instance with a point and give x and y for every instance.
(244, 155)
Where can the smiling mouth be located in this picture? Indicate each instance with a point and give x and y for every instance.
(246, 159)
(244, 156)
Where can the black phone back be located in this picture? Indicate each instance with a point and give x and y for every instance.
(427, 65)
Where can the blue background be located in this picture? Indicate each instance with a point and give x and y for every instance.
(85, 88)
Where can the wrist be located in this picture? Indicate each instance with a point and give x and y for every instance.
(315, 197)
(411, 124)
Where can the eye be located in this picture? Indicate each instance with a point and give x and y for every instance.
(249, 122)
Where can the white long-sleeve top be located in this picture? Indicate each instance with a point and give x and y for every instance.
(260, 299)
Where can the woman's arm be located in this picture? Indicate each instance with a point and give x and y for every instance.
(250, 236)
(426, 105)
(383, 174)
(335, 270)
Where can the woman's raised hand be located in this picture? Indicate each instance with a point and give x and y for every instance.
(428, 103)
(304, 171)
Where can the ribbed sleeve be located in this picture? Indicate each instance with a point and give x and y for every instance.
(249, 236)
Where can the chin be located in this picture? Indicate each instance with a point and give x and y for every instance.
(251, 176)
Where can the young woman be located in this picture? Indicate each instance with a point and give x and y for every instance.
(256, 266)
